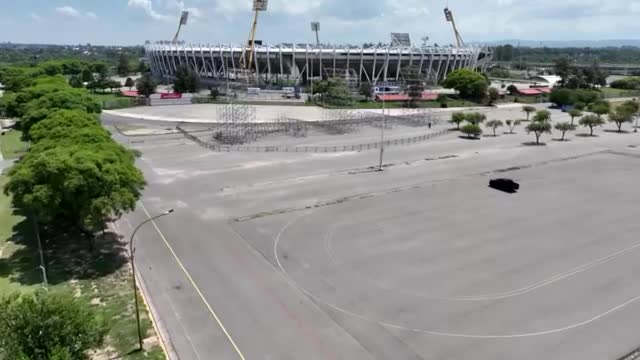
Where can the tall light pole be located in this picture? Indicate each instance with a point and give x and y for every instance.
(133, 271)
(315, 27)
(384, 123)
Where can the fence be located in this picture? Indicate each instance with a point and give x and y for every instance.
(312, 149)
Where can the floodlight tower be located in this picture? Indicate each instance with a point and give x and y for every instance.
(449, 16)
(258, 6)
(183, 21)
(315, 27)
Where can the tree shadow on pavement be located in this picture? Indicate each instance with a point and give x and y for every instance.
(67, 254)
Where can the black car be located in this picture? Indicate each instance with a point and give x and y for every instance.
(506, 185)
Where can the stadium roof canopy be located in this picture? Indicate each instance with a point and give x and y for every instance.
(552, 80)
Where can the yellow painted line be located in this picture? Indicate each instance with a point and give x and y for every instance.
(193, 283)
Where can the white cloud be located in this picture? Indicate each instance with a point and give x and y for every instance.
(35, 17)
(71, 12)
(68, 11)
(175, 6)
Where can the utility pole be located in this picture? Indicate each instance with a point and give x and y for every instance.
(384, 124)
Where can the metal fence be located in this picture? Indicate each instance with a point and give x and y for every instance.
(312, 149)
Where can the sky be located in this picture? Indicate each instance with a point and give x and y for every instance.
(131, 22)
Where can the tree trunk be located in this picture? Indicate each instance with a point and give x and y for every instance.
(619, 127)
(494, 132)
(562, 139)
(538, 139)
(591, 134)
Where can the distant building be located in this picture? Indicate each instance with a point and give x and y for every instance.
(546, 80)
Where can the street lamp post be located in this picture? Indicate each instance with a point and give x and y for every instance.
(133, 272)
(384, 123)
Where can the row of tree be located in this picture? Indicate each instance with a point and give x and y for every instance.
(73, 179)
(541, 121)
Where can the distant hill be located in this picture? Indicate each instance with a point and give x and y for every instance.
(569, 43)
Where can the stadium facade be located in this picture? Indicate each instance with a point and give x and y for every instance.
(298, 64)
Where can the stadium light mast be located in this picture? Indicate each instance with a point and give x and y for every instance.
(258, 6)
(183, 21)
(449, 16)
(315, 27)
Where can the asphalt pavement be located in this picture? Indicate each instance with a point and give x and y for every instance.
(315, 256)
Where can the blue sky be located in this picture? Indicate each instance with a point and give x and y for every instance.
(125, 22)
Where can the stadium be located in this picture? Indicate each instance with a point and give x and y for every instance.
(299, 64)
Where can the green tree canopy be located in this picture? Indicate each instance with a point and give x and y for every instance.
(621, 115)
(78, 184)
(575, 113)
(39, 109)
(601, 108)
(591, 121)
(186, 80)
(542, 116)
(512, 124)
(494, 125)
(457, 118)
(62, 123)
(475, 118)
(146, 86)
(538, 128)
(565, 127)
(528, 109)
(471, 130)
(129, 83)
(468, 83)
(123, 67)
(493, 95)
(561, 97)
(46, 326)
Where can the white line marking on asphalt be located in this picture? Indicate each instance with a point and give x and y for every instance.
(424, 331)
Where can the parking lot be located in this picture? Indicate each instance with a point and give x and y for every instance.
(315, 256)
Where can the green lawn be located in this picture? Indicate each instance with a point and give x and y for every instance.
(111, 101)
(614, 93)
(100, 276)
(11, 144)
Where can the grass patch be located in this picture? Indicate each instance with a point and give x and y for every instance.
(614, 93)
(96, 272)
(111, 101)
(12, 146)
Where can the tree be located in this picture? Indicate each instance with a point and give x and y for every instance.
(46, 326)
(562, 68)
(471, 130)
(457, 118)
(601, 108)
(561, 97)
(512, 89)
(62, 123)
(143, 68)
(100, 68)
(73, 99)
(542, 116)
(620, 116)
(494, 124)
(579, 105)
(186, 80)
(76, 82)
(633, 108)
(129, 83)
(123, 67)
(512, 124)
(574, 113)
(468, 83)
(564, 127)
(76, 184)
(214, 94)
(475, 118)
(146, 86)
(493, 95)
(528, 109)
(365, 90)
(591, 121)
(538, 128)
(338, 93)
(87, 75)
(414, 84)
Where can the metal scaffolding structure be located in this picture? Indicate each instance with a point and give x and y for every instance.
(293, 64)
